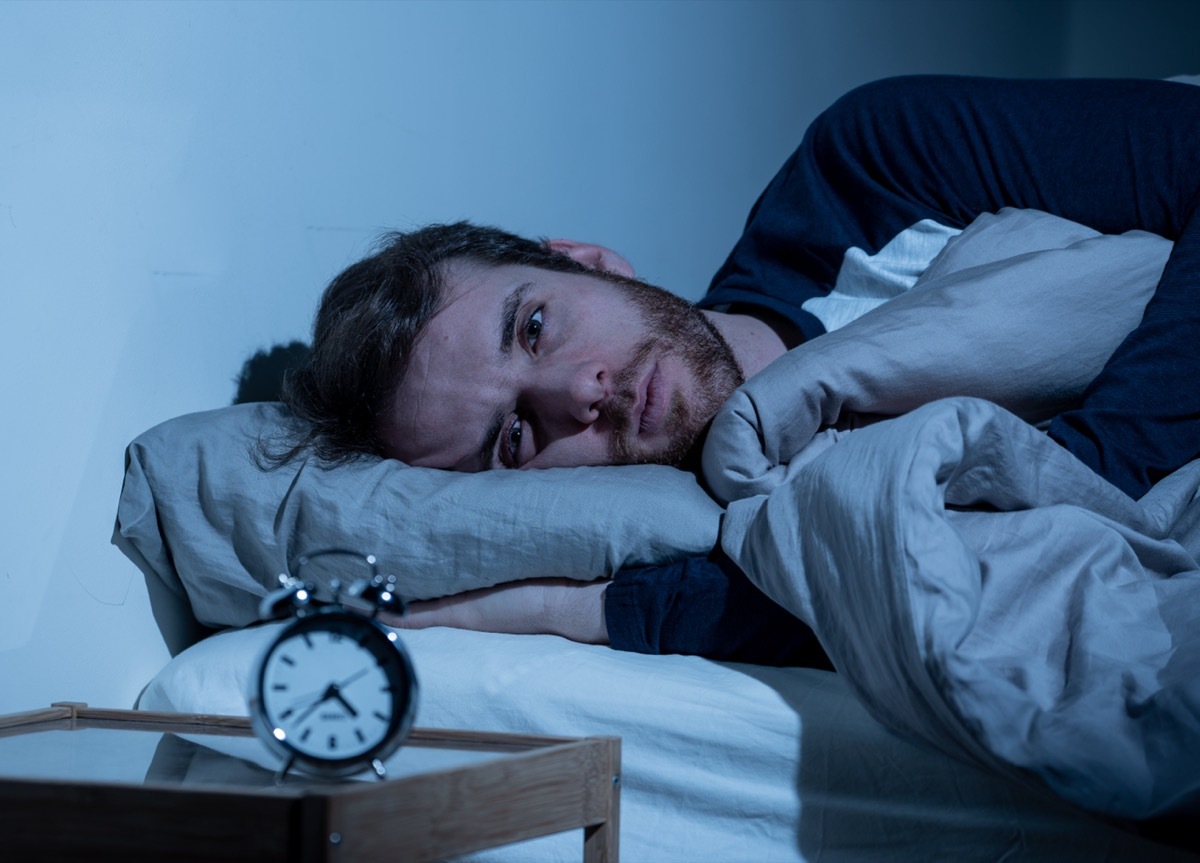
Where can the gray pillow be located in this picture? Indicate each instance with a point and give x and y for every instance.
(198, 514)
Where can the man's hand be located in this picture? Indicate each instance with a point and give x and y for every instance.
(553, 606)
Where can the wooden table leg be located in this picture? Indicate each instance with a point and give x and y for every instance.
(601, 842)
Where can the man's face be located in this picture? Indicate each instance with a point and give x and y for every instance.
(532, 368)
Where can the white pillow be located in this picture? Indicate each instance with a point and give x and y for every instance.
(197, 512)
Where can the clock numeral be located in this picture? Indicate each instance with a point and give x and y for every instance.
(279, 687)
(286, 660)
(381, 717)
(308, 642)
(358, 733)
(332, 741)
(287, 713)
(305, 735)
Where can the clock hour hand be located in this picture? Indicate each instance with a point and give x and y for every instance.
(346, 704)
(338, 687)
(330, 692)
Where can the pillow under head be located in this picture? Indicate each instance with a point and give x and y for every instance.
(199, 513)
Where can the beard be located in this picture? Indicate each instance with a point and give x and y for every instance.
(678, 330)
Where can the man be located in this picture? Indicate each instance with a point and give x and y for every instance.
(470, 349)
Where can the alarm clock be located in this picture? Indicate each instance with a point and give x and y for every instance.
(334, 693)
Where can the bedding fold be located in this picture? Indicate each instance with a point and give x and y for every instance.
(982, 590)
(1022, 308)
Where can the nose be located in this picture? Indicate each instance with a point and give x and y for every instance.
(572, 394)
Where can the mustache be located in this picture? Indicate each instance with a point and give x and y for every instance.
(618, 408)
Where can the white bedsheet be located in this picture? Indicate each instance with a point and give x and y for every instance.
(723, 763)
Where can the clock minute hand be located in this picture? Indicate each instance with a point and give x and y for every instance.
(352, 678)
(330, 692)
(306, 698)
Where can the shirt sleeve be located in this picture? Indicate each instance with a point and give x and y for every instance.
(1113, 155)
(705, 607)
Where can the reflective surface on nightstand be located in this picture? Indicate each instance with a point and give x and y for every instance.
(136, 756)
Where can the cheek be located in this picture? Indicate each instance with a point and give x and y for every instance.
(587, 448)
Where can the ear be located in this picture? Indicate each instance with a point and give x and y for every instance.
(592, 256)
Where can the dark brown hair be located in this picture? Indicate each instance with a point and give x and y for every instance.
(368, 320)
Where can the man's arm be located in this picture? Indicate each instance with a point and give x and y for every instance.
(706, 606)
(551, 606)
(1113, 155)
(698, 606)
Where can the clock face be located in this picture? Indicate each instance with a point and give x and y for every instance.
(335, 690)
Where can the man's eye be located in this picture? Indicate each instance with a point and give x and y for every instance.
(533, 328)
(512, 443)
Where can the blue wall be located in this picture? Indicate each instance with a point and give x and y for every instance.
(179, 180)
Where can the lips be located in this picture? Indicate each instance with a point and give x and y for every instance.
(654, 398)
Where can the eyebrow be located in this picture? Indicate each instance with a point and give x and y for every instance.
(508, 329)
(488, 446)
(508, 320)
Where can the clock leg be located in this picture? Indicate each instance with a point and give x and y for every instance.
(287, 765)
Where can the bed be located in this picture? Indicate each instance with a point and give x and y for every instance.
(1020, 678)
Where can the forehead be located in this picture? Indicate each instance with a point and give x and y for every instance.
(445, 401)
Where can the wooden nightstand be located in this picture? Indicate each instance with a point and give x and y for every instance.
(80, 783)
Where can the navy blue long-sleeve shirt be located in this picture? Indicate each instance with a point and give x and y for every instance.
(1113, 155)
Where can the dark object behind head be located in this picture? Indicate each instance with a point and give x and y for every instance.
(368, 320)
(262, 376)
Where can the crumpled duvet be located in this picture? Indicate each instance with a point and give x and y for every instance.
(979, 588)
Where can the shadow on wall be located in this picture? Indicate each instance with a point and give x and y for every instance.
(260, 380)
(262, 376)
